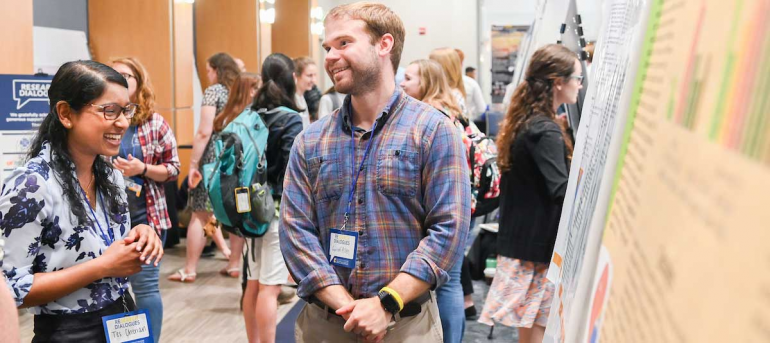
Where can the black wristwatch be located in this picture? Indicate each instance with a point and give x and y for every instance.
(389, 302)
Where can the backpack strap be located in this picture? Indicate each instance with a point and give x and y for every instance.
(277, 114)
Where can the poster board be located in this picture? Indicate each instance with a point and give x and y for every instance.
(506, 45)
(687, 233)
(23, 106)
(598, 142)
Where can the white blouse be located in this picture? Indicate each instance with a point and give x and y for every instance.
(42, 235)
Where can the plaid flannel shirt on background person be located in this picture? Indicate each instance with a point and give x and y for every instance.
(159, 148)
(411, 206)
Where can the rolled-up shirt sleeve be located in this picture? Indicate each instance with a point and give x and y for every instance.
(24, 206)
(169, 157)
(299, 236)
(447, 201)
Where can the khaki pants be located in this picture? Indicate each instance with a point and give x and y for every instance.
(316, 325)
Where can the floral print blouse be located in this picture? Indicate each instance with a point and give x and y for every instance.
(41, 235)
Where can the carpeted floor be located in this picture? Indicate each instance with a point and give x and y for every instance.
(476, 332)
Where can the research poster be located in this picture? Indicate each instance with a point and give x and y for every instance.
(23, 106)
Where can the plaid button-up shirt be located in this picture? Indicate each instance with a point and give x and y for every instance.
(411, 206)
(159, 148)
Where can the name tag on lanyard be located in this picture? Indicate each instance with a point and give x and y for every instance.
(134, 185)
(343, 244)
(343, 248)
(129, 327)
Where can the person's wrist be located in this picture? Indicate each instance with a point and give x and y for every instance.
(101, 267)
(390, 299)
(144, 171)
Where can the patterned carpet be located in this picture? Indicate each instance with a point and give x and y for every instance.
(476, 332)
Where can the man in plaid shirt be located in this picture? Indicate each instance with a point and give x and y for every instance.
(376, 200)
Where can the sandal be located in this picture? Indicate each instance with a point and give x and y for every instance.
(182, 276)
(232, 272)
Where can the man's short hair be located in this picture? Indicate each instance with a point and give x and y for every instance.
(469, 69)
(379, 20)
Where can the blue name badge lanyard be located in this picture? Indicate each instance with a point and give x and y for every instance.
(127, 326)
(343, 244)
(134, 183)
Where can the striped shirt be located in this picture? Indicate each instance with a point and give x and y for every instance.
(159, 148)
(411, 206)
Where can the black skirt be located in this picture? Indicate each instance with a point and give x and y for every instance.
(80, 328)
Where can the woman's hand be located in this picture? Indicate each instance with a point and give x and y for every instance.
(194, 177)
(121, 259)
(129, 167)
(147, 242)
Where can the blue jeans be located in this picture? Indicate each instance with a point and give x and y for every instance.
(147, 293)
(451, 307)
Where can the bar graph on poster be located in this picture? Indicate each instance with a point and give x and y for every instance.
(670, 244)
(686, 234)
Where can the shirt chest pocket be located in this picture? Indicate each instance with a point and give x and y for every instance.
(397, 173)
(325, 174)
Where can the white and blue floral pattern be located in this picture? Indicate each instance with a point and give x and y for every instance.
(42, 235)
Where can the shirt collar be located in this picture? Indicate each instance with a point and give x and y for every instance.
(386, 112)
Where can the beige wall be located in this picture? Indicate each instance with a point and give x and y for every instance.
(160, 35)
(16, 50)
(230, 28)
(291, 31)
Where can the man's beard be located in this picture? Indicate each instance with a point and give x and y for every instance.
(364, 79)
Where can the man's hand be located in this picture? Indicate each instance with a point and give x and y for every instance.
(366, 318)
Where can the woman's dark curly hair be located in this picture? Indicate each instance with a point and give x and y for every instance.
(77, 83)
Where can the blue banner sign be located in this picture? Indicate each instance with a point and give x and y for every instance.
(23, 101)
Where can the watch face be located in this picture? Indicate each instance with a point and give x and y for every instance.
(388, 302)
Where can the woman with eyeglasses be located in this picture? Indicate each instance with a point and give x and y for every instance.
(534, 158)
(64, 214)
(147, 158)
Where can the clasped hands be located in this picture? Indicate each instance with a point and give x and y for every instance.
(366, 318)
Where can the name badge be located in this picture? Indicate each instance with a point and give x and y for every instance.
(129, 327)
(242, 200)
(134, 185)
(343, 247)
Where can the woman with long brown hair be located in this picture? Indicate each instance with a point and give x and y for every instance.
(241, 95)
(221, 71)
(534, 157)
(147, 158)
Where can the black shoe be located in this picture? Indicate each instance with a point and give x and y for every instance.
(470, 313)
(209, 251)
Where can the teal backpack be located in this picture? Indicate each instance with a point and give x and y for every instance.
(236, 180)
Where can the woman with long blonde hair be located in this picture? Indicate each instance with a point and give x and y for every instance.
(148, 158)
(534, 158)
(450, 62)
(426, 81)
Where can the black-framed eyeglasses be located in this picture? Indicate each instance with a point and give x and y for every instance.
(113, 111)
(576, 77)
(127, 76)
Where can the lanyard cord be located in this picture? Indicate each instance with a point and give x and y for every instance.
(360, 168)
